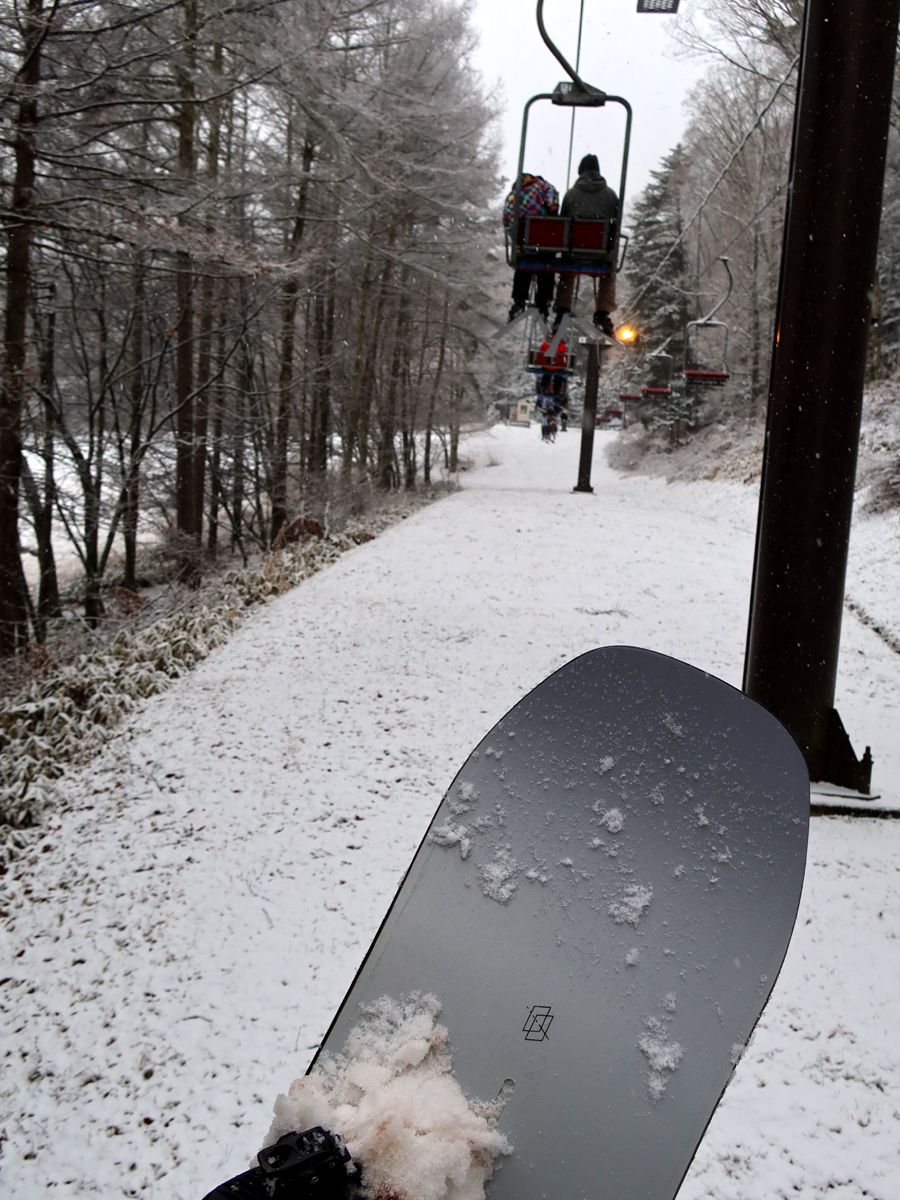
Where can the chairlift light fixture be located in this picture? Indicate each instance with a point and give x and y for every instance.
(627, 334)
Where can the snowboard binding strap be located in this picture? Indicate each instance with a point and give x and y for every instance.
(314, 1165)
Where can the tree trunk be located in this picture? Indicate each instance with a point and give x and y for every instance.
(131, 507)
(289, 296)
(201, 416)
(388, 416)
(204, 353)
(368, 379)
(436, 383)
(352, 430)
(92, 481)
(13, 605)
(245, 383)
(47, 565)
(42, 506)
(320, 418)
(237, 482)
(410, 409)
(456, 395)
(185, 514)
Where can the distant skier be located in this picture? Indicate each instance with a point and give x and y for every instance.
(539, 199)
(591, 199)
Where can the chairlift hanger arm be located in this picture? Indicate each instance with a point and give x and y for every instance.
(557, 53)
(709, 316)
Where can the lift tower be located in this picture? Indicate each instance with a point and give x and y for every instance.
(817, 374)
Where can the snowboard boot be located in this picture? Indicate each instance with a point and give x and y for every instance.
(603, 321)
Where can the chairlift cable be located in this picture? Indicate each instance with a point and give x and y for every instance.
(706, 199)
(743, 229)
(577, 67)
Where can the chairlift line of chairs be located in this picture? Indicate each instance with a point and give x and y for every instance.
(705, 354)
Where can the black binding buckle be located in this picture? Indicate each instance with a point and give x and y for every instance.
(316, 1148)
(313, 1165)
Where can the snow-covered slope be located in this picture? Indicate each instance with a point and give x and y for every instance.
(180, 936)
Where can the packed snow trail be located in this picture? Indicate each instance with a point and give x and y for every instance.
(181, 935)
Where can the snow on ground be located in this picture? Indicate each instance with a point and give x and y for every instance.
(183, 930)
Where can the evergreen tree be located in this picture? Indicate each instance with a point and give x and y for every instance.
(660, 283)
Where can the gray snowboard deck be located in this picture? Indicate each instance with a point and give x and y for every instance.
(602, 905)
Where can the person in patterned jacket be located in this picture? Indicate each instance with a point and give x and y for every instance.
(539, 199)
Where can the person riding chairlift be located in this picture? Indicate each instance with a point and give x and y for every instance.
(560, 359)
(590, 199)
(539, 199)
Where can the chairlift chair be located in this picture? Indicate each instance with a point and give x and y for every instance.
(659, 375)
(541, 361)
(567, 245)
(706, 345)
(610, 413)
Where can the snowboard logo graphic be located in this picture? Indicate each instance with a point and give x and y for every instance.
(537, 1027)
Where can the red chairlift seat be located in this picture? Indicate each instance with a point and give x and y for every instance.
(609, 414)
(538, 360)
(566, 245)
(625, 396)
(545, 236)
(705, 376)
(592, 239)
(656, 391)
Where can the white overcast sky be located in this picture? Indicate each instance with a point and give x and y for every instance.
(623, 53)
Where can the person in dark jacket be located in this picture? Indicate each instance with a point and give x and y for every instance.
(590, 198)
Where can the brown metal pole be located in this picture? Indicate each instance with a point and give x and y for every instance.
(589, 419)
(817, 375)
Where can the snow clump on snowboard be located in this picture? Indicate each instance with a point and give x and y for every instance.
(393, 1100)
(629, 909)
(662, 1056)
